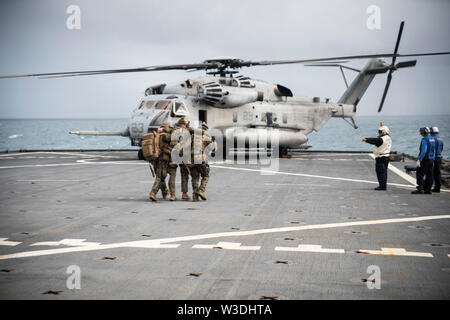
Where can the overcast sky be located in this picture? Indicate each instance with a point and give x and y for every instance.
(124, 34)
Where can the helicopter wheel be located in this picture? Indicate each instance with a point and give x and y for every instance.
(282, 152)
(140, 154)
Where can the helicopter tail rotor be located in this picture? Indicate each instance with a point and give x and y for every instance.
(393, 67)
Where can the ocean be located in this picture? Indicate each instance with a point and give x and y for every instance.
(51, 134)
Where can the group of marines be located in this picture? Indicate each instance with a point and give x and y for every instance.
(187, 148)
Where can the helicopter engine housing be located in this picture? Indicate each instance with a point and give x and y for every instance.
(214, 94)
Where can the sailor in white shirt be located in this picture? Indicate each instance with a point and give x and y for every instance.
(381, 150)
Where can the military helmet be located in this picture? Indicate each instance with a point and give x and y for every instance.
(434, 130)
(182, 121)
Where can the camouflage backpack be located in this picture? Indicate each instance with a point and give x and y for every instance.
(150, 146)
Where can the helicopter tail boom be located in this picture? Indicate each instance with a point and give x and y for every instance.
(358, 87)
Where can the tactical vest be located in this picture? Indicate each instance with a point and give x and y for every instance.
(385, 149)
(164, 146)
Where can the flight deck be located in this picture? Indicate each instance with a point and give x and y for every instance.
(309, 227)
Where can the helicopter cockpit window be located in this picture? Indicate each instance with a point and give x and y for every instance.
(149, 104)
(163, 105)
(180, 109)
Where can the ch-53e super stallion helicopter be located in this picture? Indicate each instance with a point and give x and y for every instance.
(245, 109)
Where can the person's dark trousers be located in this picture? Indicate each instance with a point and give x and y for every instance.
(381, 168)
(425, 170)
(437, 174)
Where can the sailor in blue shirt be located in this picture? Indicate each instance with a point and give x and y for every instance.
(425, 163)
(437, 160)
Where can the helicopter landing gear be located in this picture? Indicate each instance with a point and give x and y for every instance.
(282, 152)
(141, 155)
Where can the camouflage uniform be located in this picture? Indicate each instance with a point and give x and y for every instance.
(200, 170)
(184, 178)
(164, 166)
(184, 170)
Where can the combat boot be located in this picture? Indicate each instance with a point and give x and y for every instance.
(202, 195)
(436, 190)
(173, 198)
(153, 197)
(185, 196)
(195, 197)
(418, 191)
(164, 194)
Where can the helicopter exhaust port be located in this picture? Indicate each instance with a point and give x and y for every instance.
(214, 94)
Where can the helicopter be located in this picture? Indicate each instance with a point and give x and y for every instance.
(242, 109)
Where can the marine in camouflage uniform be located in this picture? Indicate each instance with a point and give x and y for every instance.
(184, 170)
(200, 170)
(164, 165)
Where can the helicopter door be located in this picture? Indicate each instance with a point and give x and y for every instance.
(269, 119)
(202, 117)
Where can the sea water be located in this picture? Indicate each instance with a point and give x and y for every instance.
(337, 134)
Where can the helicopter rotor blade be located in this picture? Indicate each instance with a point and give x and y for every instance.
(392, 67)
(386, 88)
(197, 66)
(389, 55)
(215, 65)
(406, 64)
(397, 44)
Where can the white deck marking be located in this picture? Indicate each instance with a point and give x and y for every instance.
(297, 184)
(79, 162)
(394, 169)
(226, 246)
(3, 242)
(48, 180)
(42, 165)
(158, 243)
(331, 154)
(55, 152)
(308, 175)
(397, 252)
(67, 242)
(309, 248)
(402, 174)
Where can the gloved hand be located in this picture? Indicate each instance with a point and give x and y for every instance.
(418, 163)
